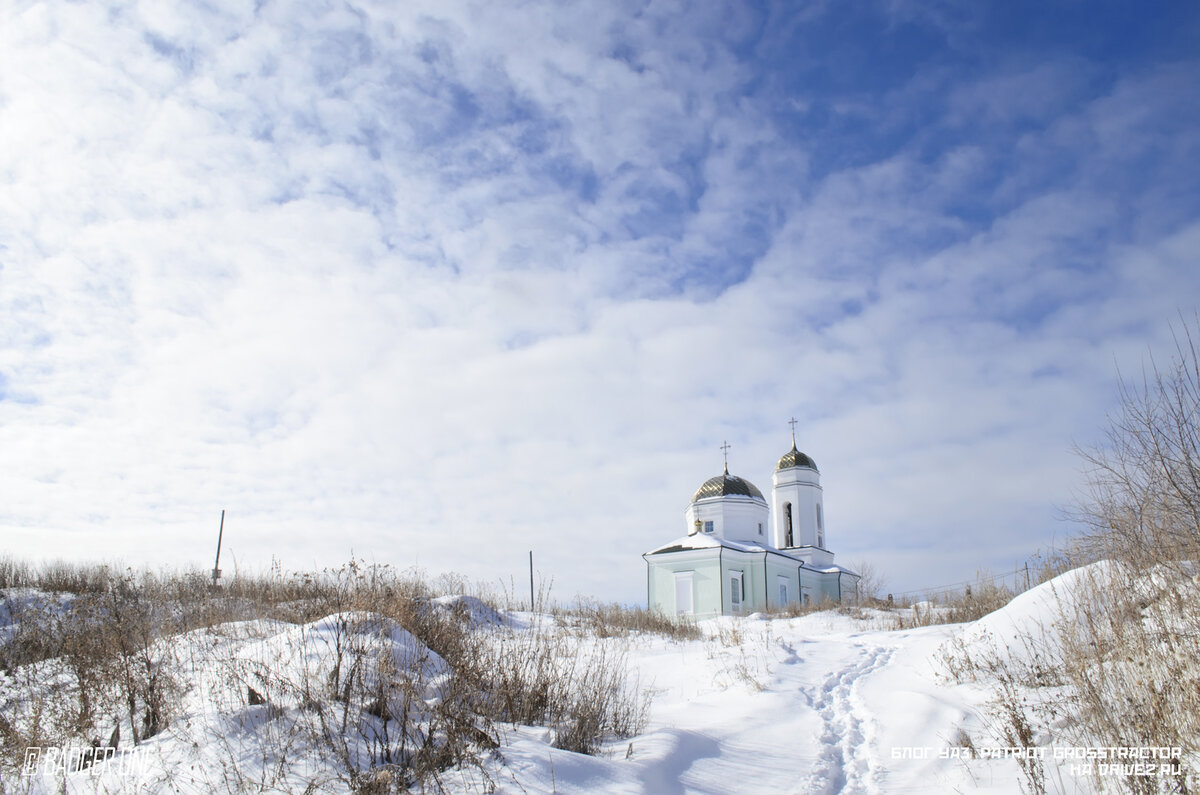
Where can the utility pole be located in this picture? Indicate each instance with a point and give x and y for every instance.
(531, 580)
(216, 572)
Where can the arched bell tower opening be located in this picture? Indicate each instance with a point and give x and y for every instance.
(787, 525)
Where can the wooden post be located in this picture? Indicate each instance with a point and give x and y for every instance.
(216, 572)
(531, 580)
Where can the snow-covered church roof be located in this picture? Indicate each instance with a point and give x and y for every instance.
(714, 542)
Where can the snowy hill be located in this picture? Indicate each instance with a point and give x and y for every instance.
(830, 702)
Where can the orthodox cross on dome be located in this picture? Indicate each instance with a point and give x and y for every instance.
(792, 422)
(725, 449)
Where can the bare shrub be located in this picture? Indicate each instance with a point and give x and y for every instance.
(870, 582)
(15, 573)
(73, 577)
(98, 665)
(139, 636)
(1143, 504)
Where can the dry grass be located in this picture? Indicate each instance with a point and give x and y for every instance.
(120, 660)
(600, 620)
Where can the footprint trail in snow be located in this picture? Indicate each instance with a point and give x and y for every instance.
(846, 762)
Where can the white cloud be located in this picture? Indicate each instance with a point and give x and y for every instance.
(445, 283)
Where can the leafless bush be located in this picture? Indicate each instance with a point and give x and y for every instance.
(74, 578)
(15, 573)
(56, 575)
(80, 670)
(1143, 505)
(870, 582)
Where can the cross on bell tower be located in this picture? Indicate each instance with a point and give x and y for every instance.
(725, 449)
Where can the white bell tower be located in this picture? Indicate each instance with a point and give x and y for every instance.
(796, 511)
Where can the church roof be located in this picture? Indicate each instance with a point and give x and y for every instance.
(692, 542)
(795, 458)
(702, 541)
(727, 485)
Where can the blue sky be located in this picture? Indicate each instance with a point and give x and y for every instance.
(439, 283)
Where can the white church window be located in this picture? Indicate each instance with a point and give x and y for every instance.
(708, 526)
(683, 593)
(735, 590)
(783, 591)
(760, 528)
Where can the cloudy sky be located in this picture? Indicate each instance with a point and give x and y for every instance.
(437, 283)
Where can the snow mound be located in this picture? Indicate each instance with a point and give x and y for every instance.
(323, 651)
(1037, 618)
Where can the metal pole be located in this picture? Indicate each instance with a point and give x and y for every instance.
(531, 580)
(216, 572)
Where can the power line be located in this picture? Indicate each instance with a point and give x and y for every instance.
(956, 585)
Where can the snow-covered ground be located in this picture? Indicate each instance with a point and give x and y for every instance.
(824, 703)
(831, 702)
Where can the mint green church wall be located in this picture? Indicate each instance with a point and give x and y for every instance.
(712, 573)
(706, 583)
(790, 572)
(826, 587)
(750, 565)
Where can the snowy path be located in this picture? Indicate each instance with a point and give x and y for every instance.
(847, 762)
(806, 731)
(797, 706)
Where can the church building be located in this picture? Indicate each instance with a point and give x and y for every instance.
(741, 555)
